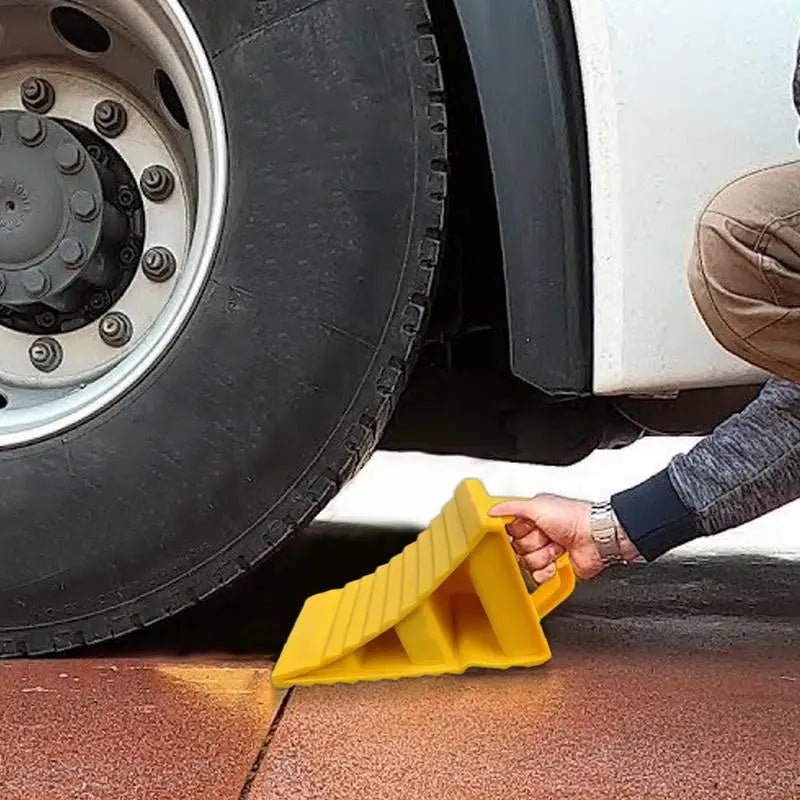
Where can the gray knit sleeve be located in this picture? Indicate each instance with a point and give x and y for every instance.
(749, 465)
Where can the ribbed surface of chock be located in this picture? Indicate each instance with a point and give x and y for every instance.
(453, 599)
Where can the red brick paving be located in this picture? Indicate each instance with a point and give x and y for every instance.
(585, 726)
(591, 724)
(681, 680)
(130, 730)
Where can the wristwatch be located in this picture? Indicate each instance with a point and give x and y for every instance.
(607, 534)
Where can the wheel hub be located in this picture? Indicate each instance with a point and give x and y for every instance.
(113, 179)
(56, 224)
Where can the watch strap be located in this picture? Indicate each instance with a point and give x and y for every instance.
(605, 533)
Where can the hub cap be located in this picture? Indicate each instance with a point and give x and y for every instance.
(57, 224)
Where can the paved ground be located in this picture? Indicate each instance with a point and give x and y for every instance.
(667, 681)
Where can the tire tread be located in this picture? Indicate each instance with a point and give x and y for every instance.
(398, 356)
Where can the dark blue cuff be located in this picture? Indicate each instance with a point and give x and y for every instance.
(654, 517)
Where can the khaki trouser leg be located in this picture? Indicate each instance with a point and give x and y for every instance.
(744, 272)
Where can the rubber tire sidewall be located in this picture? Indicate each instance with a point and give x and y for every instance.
(282, 381)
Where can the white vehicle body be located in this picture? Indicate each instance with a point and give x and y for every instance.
(682, 96)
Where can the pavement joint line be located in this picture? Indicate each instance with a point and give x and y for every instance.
(255, 768)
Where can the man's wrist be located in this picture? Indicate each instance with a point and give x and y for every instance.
(655, 517)
(613, 545)
(626, 546)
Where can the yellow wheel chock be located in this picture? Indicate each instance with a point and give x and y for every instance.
(455, 598)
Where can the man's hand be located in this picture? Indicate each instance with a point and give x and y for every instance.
(546, 527)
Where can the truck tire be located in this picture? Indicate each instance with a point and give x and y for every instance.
(281, 377)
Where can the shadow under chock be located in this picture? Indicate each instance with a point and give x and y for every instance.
(714, 604)
(255, 614)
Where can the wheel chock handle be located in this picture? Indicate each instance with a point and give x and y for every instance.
(553, 591)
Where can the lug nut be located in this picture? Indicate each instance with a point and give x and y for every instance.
(110, 118)
(37, 95)
(99, 300)
(84, 205)
(125, 197)
(69, 158)
(158, 264)
(157, 183)
(71, 252)
(47, 319)
(98, 153)
(45, 354)
(127, 255)
(31, 130)
(115, 329)
(35, 282)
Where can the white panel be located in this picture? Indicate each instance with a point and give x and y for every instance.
(681, 97)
